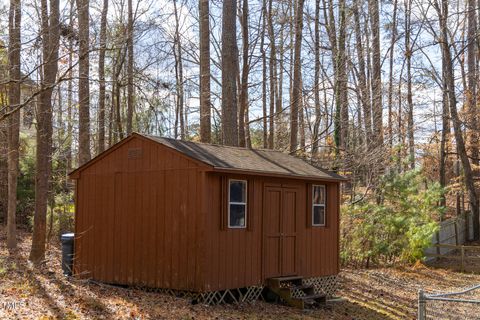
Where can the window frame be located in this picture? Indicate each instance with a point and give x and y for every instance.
(237, 203)
(324, 205)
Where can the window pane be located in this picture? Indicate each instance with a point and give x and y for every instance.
(318, 215)
(238, 191)
(237, 215)
(318, 194)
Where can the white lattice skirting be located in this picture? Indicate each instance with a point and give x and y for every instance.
(323, 285)
(326, 285)
(248, 294)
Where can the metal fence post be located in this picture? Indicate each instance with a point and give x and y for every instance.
(422, 314)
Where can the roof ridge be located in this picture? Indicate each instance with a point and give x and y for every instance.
(214, 144)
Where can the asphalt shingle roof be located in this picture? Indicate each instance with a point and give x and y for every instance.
(255, 160)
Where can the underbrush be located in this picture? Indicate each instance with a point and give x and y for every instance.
(394, 225)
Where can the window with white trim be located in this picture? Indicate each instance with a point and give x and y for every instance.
(318, 205)
(237, 203)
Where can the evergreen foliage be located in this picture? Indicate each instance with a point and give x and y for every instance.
(394, 226)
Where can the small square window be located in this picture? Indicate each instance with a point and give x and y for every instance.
(237, 204)
(318, 205)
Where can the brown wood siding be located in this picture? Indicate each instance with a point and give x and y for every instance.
(148, 215)
(236, 257)
(137, 220)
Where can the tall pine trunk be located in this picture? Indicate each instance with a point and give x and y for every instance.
(377, 110)
(243, 98)
(273, 78)
(316, 81)
(390, 73)
(362, 77)
(457, 126)
(471, 94)
(83, 82)
(297, 81)
(101, 76)
(408, 57)
(205, 104)
(50, 44)
(177, 50)
(14, 119)
(130, 97)
(229, 73)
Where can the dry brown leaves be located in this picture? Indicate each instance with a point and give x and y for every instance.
(44, 293)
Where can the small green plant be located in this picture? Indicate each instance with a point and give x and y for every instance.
(395, 225)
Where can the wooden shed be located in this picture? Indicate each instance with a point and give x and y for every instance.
(202, 218)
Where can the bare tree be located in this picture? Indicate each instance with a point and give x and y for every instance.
(457, 128)
(362, 76)
(272, 74)
(14, 48)
(205, 103)
(316, 81)
(408, 57)
(471, 94)
(177, 52)
(101, 76)
(377, 108)
(243, 98)
(296, 86)
(50, 43)
(130, 94)
(83, 82)
(391, 76)
(229, 72)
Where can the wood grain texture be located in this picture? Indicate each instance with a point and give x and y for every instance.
(159, 220)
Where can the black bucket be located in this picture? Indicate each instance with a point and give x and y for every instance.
(67, 240)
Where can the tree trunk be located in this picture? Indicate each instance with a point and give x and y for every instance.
(130, 97)
(264, 74)
(296, 86)
(205, 104)
(3, 163)
(280, 59)
(50, 44)
(390, 81)
(83, 82)
(362, 78)
(408, 57)
(177, 48)
(68, 150)
(376, 73)
(457, 126)
(101, 76)
(301, 117)
(316, 81)
(342, 93)
(14, 119)
(229, 73)
(471, 94)
(116, 99)
(273, 78)
(243, 99)
(445, 132)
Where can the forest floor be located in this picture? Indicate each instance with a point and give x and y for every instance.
(44, 293)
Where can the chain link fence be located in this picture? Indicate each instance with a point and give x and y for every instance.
(463, 304)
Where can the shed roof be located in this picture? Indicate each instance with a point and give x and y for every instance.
(259, 161)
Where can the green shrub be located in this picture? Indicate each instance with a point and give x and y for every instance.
(395, 225)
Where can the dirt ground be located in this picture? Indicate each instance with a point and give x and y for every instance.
(387, 293)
